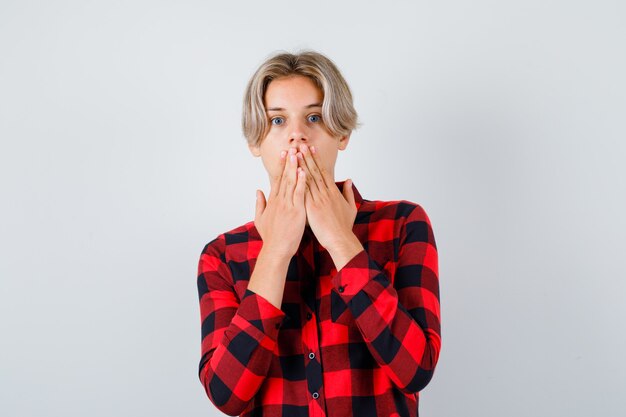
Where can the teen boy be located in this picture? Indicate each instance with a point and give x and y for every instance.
(327, 304)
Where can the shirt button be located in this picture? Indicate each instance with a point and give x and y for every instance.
(311, 355)
(315, 395)
(309, 316)
(340, 289)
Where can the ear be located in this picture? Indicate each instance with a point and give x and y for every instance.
(255, 150)
(343, 142)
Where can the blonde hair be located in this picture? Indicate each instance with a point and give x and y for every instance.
(338, 113)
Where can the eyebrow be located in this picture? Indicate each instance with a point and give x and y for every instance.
(306, 107)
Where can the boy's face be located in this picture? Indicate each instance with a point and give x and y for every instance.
(294, 108)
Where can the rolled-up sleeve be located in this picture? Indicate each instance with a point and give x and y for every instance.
(399, 322)
(238, 336)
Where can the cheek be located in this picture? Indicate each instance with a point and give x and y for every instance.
(273, 164)
(328, 159)
(270, 154)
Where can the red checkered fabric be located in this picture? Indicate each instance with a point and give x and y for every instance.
(361, 341)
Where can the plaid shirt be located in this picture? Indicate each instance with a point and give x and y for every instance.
(361, 341)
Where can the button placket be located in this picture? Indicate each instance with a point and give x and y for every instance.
(310, 329)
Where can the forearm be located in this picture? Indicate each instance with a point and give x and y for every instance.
(268, 277)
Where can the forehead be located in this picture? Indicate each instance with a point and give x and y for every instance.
(292, 91)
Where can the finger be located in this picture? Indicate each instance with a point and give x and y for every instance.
(310, 168)
(290, 176)
(302, 164)
(314, 169)
(298, 195)
(260, 205)
(276, 179)
(284, 174)
(323, 173)
(311, 185)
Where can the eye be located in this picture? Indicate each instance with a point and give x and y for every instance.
(315, 118)
(277, 121)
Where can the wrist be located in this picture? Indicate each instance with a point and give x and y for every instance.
(274, 255)
(269, 275)
(344, 250)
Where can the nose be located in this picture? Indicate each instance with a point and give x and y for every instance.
(295, 142)
(298, 134)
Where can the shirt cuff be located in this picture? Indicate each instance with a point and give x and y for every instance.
(258, 317)
(354, 275)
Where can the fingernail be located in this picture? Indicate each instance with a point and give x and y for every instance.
(293, 158)
(292, 151)
(300, 155)
(313, 149)
(283, 153)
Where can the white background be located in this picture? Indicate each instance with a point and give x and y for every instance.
(122, 155)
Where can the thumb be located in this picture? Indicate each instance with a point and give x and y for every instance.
(348, 193)
(260, 204)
